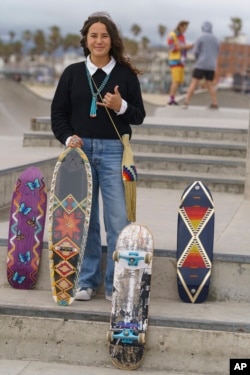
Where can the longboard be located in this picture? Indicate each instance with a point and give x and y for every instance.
(69, 215)
(26, 229)
(130, 299)
(195, 238)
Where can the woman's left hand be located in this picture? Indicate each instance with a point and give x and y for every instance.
(112, 101)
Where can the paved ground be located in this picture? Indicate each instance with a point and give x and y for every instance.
(47, 368)
(157, 208)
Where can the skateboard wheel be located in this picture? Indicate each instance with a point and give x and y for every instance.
(116, 256)
(148, 258)
(110, 336)
(141, 338)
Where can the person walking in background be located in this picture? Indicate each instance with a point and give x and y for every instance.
(206, 50)
(176, 58)
(79, 119)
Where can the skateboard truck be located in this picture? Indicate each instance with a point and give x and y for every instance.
(126, 336)
(133, 257)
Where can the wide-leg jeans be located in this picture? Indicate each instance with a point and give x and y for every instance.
(105, 157)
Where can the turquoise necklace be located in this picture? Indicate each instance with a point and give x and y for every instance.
(93, 106)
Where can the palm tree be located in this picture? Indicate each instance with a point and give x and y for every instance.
(236, 26)
(131, 47)
(12, 35)
(162, 30)
(55, 40)
(136, 29)
(5, 51)
(145, 42)
(71, 40)
(40, 42)
(27, 37)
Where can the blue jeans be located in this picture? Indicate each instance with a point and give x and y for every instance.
(105, 157)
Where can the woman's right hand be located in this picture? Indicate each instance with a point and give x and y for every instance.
(75, 142)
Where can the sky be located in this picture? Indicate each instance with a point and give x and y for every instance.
(69, 16)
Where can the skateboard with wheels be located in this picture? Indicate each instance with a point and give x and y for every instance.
(26, 229)
(69, 215)
(130, 299)
(195, 238)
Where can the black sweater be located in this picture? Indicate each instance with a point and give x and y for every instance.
(72, 100)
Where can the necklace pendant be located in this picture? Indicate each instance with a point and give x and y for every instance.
(93, 107)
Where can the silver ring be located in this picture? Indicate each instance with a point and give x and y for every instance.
(104, 101)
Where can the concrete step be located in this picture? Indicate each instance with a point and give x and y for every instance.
(202, 163)
(40, 124)
(181, 337)
(196, 129)
(203, 129)
(188, 146)
(157, 144)
(170, 156)
(40, 139)
(223, 288)
(180, 179)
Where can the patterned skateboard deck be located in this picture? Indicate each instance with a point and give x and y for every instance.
(69, 214)
(26, 229)
(130, 299)
(195, 238)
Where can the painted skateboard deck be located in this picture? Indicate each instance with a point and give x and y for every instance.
(195, 238)
(130, 298)
(26, 229)
(69, 214)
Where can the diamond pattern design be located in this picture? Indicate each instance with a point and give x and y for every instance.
(195, 242)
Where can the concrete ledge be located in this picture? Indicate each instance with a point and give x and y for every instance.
(9, 176)
(40, 139)
(84, 342)
(179, 180)
(226, 269)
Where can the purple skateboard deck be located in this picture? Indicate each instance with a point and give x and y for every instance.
(195, 240)
(26, 229)
(69, 215)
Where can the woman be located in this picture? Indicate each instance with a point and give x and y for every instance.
(79, 119)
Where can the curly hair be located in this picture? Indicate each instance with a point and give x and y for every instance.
(117, 46)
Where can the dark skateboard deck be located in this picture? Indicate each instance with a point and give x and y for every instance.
(195, 238)
(130, 299)
(26, 229)
(69, 215)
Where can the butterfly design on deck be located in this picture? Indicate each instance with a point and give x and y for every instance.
(34, 185)
(18, 278)
(24, 257)
(24, 210)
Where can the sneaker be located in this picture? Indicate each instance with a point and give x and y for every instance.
(213, 106)
(84, 294)
(108, 297)
(172, 102)
(185, 106)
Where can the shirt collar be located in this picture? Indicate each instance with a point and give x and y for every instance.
(93, 68)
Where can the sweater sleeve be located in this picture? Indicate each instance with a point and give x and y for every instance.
(60, 109)
(135, 112)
